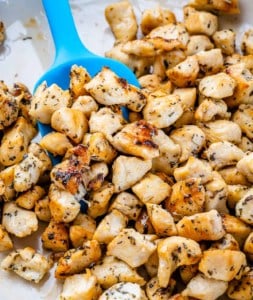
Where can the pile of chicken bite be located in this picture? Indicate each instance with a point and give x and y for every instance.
(168, 192)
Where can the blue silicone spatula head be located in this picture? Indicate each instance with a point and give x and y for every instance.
(69, 50)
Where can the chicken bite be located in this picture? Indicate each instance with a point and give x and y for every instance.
(162, 110)
(27, 264)
(81, 286)
(173, 252)
(137, 139)
(129, 242)
(222, 264)
(202, 226)
(47, 100)
(202, 287)
(111, 270)
(121, 18)
(18, 221)
(126, 171)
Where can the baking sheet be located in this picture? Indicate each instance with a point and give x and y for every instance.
(28, 52)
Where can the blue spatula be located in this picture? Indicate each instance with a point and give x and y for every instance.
(69, 50)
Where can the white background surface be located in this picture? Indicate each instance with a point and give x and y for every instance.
(28, 52)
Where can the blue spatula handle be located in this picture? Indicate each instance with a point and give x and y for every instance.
(67, 43)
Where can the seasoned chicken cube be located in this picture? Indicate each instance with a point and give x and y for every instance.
(128, 204)
(129, 242)
(24, 97)
(194, 168)
(248, 245)
(210, 109)
(139, 48)
(244, 118)
(236, 227)
(198, 43)
(217, 86)
(202, 287)
(18, 221)
(163, 61)
(5, 240)
(191, 140)
(174, 252)
(216, 194)
(100, 149)
(232, 175)
(63, 205)
(9, 107)
(85, 104)
(97, 173)
(47, 100)
(79, 76)
(27, 173)
(2, 33)
(99, 200)
(188, 98)
(155, 292)
(247, 42)
(109, 89)
(110, 226)
(244, 85)
(169, 153)
(200, 22)
(210, 62)
(105, 121)
(235, 193)
(139, 65)
(245, 166)
(137, 139)
(155, 17)
(162, 110)
(225, 40)
(28, 199)
(71, 173)
(124, 291)
(161, 220)
(42, 209)
(80, 286)
(8, 192)
(56, 143)
(149, 83)
(187, 198)
(126, 171)
(222, 130)
(112, 270)
(202, 226)
(225, 6)
(244, 208)
(122, 21)
(75, 261)
(42, 155)
(227, 242)
(15, 142)
(222, 154)
(71, 122)
(222, 264)
(151, 189)
(55, 237)
(81, 230)
(241, 289)
(27, 264)
(185, 73)
(169, 37)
